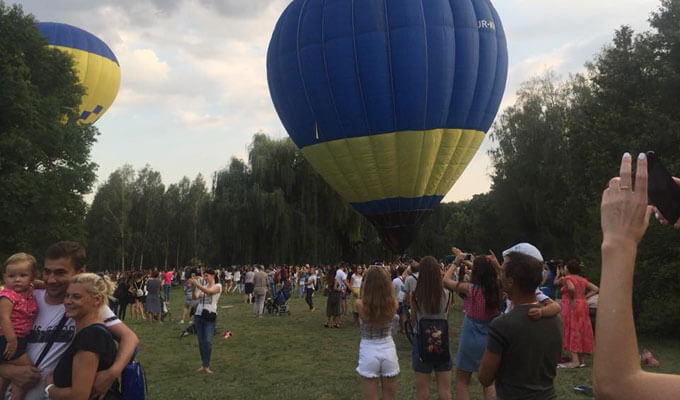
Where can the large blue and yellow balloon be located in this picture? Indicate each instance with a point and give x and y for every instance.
(389, 100)
(96, 65)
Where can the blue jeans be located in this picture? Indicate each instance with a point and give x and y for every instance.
(166, 291)
(272, 286)
(204, 332)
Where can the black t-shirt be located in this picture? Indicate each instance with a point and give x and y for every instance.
(529, 352)
(94, 338)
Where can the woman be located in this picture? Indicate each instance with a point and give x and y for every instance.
(334, 299)
(248, 283)
(548, 283)
(123, 295)
(578, 332)
(625, 216)
(430, 299)
(93, 348)
(355, 282)
(189, 301)
(482, 303)
(205, 318)
(152, 305)
(260, 288)
(378, 360)
(139, 285)
(310, 287)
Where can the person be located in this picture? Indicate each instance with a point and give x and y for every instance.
(63, 260)
(139, 285)
(189, 302)
(260, 285)
(167, 284)
(522, 352)
(17, 311)
(237, 280)
(310, 286)
(301, 278)
(92, 349)
(482, 303)
(624, 219)
(152, 305)
(122, 294)
(578, 331)
(549, 274)
(355, 286)
(228, 279)
(334, 299)
(378, 359)
(343, 285)
(249, 285)
(400, 292)
(205, 318)
(430, 300)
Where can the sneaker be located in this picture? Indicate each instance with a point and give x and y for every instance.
(181, 321)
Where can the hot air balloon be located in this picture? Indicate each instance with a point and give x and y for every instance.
(388, 100)
(96, 65)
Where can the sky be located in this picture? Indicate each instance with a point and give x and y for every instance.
(194, 88)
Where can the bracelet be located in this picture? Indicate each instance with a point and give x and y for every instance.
(47, 390)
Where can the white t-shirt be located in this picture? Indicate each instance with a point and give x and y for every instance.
(45, 322)
(208, 302)
(356, 281)
(340, 276)
(397, 283)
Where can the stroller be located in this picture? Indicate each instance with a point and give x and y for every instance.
(279, 305)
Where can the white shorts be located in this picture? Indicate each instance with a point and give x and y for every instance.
(378, 358)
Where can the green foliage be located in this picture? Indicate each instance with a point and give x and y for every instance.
(45, 166)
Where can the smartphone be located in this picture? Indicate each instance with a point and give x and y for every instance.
(662, 190)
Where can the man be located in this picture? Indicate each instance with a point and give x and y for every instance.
(522, 352)
(63, 260)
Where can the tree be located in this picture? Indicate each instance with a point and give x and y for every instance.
(45, 166)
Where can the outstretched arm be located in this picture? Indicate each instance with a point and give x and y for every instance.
(625, 216)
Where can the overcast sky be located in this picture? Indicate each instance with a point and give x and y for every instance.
(194, 89)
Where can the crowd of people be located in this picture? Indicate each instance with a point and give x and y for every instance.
(58, 335)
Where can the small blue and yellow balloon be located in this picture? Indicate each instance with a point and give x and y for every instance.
(94, 62)
(389, 100)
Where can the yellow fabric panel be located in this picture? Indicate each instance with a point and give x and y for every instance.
(399, 164)
(100, 77)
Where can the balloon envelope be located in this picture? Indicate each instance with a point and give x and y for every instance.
(96, 65)
(388, 100)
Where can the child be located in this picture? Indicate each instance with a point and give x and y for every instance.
(18, 308)
(377, 353)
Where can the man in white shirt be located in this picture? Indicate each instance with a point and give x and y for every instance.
(63, 260)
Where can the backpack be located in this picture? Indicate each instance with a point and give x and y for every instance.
(433, 338)
(133, 380)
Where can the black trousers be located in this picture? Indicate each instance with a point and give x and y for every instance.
(308, 297)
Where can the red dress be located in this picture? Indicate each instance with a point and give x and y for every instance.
(578, 333)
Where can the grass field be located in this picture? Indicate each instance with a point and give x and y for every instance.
(295, 357)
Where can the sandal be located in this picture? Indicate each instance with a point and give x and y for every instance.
(326, 325)
(336, 326)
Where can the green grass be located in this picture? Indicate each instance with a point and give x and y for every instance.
(295, 357)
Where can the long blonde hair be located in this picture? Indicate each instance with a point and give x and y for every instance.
(96, 285)
(377, 296)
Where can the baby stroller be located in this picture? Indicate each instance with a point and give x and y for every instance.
(279, 305)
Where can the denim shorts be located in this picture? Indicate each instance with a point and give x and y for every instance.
(426, 368)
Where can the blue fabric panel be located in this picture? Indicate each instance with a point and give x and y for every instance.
(374, 53)
(98, 109)
(85, 114)
(395, 204)
(486, 73)
(342, 70)
(313, 71)
(467, 62)
(501, 74)
(58, 34)
(285, 82)
(409, 63)
(441, 58)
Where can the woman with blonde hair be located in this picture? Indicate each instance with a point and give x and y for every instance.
(93, 348)
(378, 360)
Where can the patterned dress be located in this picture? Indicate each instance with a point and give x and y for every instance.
(578, 333)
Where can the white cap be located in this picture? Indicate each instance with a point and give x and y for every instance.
(526, 249)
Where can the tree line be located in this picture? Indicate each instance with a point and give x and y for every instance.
(554, 151)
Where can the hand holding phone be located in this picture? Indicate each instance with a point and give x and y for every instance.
(663, 191)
